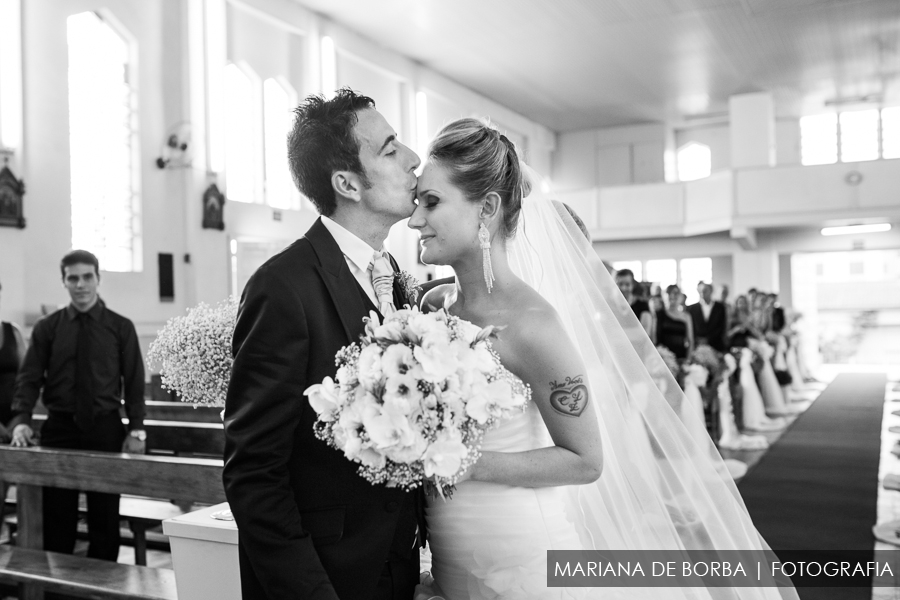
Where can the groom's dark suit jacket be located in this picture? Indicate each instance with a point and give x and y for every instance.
(309, 525)
(712, 329)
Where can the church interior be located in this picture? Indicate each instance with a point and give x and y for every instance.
(743, 154)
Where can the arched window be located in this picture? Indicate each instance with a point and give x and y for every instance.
(694, 162)
(103, 147)
(278, 99)
(243, 154)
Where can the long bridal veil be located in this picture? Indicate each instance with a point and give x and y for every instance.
(664, 485)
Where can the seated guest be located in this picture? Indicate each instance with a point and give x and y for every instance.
(777, 313)
(760, 314)
(625, 281)
(82, 358)
(673, 326)
(741, 326)
(12, 353)
(708, 318)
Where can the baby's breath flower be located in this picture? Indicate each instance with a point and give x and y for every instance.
(193, 353)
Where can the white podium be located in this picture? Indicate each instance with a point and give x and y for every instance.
(205, 555)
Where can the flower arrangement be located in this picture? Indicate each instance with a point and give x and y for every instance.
(710, 359)
(409, 286)
(413, 398)
(193, 353)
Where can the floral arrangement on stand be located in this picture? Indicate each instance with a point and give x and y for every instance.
(193, 353)
(413, 399)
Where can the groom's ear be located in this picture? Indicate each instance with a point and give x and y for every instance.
(347, 184)
(490, 206)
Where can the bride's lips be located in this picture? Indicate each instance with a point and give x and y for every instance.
(423, 239)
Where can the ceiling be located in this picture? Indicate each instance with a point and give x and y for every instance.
(577, 64)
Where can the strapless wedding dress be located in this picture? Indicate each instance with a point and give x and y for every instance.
(490, 541)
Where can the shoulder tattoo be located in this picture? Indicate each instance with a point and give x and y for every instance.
(569, 397)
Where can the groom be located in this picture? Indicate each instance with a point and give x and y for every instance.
(310, 527)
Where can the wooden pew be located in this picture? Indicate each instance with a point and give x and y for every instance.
(178, 438)
(153, 476)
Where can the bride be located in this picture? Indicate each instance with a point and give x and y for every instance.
(608, 455)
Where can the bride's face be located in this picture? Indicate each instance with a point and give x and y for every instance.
(446, 220)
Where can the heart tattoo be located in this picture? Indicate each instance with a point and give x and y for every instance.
(569, 397)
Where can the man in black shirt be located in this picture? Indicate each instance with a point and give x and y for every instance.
(83, 357)
(626, 283)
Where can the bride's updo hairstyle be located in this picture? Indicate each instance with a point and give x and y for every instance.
(481, 160)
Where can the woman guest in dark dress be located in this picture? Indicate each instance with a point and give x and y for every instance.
(12, 353)
(742, 326)
(673, 326)
(625, 281)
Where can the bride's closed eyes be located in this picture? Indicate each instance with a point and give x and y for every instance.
(428, 200)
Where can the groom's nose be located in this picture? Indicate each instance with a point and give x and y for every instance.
(413, 159)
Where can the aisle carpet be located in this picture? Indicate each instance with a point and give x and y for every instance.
(816, 488)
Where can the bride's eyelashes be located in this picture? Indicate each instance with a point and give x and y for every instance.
(569, 397)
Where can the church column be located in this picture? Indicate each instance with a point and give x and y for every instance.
(207, 272)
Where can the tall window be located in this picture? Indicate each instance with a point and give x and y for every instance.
(818, 139)
(242, 151)
(694, 162)
(693, 271)
(277, 118)
(890, 132)
(662, 271)
(851, 136)
(859, 135)
(103, 146)
(635, 266)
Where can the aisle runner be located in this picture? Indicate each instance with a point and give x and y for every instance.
(816, 488)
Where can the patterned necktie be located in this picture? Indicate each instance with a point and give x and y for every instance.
(383, 282)
(84, 382)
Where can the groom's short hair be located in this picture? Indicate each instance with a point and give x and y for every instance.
(322, 142)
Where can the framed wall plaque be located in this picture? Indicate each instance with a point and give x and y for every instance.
(11, 192)
(213, 205)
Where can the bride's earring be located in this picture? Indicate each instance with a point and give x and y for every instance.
(484, 237)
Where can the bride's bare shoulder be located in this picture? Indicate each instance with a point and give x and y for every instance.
(533, 316)
(436, 298)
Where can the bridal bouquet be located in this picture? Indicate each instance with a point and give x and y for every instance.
(413, 398)
(194, 353)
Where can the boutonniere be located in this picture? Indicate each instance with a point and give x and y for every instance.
(409, 286)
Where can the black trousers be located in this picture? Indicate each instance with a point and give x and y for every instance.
(61, 505)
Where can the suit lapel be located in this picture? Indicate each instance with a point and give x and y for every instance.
(343, 288)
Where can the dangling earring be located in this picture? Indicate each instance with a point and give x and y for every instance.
(484, 236)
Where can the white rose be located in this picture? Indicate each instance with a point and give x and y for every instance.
(323, 398)
(391, 330)
(421, 325)
(438, 361)
(409, 453)
(369, 371)
(371, 457)
(491, 400)
(397, 360)
(389, 429)
(444, 457)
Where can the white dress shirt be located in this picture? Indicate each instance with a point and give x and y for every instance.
(357, 253)
(706, 308)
